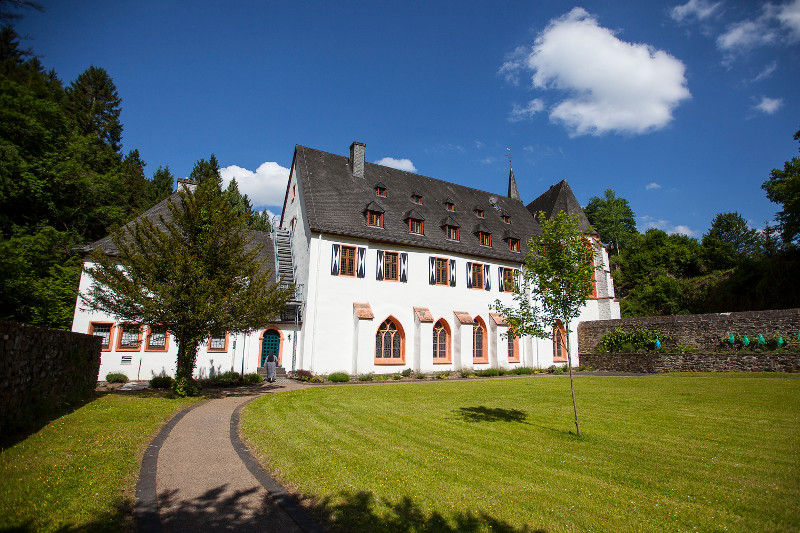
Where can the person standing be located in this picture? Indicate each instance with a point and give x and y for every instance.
(272, 362)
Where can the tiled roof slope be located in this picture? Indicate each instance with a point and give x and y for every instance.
(560, 198)
(336, 202)
(154, 214)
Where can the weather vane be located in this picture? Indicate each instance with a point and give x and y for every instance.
(508, 156)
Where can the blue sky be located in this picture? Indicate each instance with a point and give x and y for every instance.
(683, 108)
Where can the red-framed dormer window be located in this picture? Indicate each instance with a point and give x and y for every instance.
(513, 244)
(507, 219)
(450, 206)
(374, 218)
(480, 213)
(451, 233)
(380, 191)
(417, 199)
(415, 226)
(485, 238)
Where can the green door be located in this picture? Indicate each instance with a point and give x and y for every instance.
(270, 344)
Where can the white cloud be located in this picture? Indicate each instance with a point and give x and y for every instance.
(652, 185)
(665, 225)
(399, 164)
(519, 112)
(611, 85)
(694, 9)
(767, 72)
(769, 105)
(774, 25)
(265, 186)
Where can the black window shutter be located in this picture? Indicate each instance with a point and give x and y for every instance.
(469, 275)
(404, 267)
(379, 267)
(361, 266)
(500, 285)
(452, 272)
(487, 277)
(335, 261)
(432, 271)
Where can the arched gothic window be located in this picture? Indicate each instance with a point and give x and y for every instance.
(389, 344)
(480, 352)
(559, 342)
(441, 342)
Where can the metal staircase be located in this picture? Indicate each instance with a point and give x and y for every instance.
(284, 257)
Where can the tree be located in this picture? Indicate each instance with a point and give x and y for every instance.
(783, 187)
(197, 274)
(160, 187)
(729, 241)
(556, 282)
(613, 219)
(94, 105)
(206, 170)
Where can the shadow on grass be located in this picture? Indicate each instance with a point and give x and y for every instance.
(358, 513)
(491, 414)
(39, 413)
(120, 520)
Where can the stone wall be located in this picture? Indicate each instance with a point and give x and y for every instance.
(702, 332)
(41, 366)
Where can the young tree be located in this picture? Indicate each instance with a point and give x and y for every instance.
(613, 219)
(196, 273)
(556, 283)
(783, 187)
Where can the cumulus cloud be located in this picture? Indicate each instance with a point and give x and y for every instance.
(769, 105)
(774, 25)
(399, 164)
(519, 112)
(652, 185)
(610, 85)
(265, 186)
(666, 226)
(694, 9)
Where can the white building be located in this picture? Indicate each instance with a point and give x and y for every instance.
(393, 270)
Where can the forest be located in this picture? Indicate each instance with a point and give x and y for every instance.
(65, 182)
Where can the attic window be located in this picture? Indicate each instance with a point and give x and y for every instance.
(513, 244)
(417, 199)
(450, 206)
(479, 212)
(451, 232)
(485, 238)
(380, 191)
(415, 226)
(506, 219)
(374, 218)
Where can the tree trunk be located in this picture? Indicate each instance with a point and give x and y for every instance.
(187, 356)
(572, 386)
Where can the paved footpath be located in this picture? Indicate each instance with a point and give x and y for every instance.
(198, 476)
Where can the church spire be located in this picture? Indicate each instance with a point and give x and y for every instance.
(513, 192)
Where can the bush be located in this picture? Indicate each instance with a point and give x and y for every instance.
(228, 379)
(420, 375)
(637, 339)
(557, 370)
(316, 379)
(339, 377)
(465, 373)
(365, 377)
(522, 370)
(397, 376)
(161, 382)
(116, 377)
(406, 373)
(303, 375)
(444, 375)
(382, 377)
(183, 387)
(252, 379)
(486, 373)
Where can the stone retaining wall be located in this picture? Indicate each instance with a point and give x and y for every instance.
(702, 332)
(41, 366)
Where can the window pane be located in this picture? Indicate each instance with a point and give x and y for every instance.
(104, 332)
(218, 342)
(130, 336)
(158, 337)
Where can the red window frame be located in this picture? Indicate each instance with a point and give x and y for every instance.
(559, 342)
(217, 350)
(375, 219)
(347, 261)
(477, 276)
(508, 280)
(441, 328)
(416, 226)
(513, 245)
(480, 342)
(121, 330)
(380, 191)
(148, 347)
(389, 332)
(485, 238)
(391, 266)
(442, 271)
(111, 326)
(451, 233)
(417, 199)
(513, 347)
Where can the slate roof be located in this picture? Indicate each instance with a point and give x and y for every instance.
(336, 201)
(161, 209)
(560, 198)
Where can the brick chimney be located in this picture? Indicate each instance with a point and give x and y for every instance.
(357, 150)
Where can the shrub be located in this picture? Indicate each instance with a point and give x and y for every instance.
(636, 339)
(444, 375)
(228, 379)
(365, 377)
(161, 382)
(420, 375)
(486, 373)
(339, 377)
(382, 377)
(252, 379)
(316, 379)
(522, 370)
(397, 376)
(406, 373)
(557, 370)
(116, 377)
(183, 387)
(466, 373)
(303, 375)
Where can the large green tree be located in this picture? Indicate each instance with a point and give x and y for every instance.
(729, 241)
(196, 273)
(613, 219)
(94, 105)
(556, 282)
(783, 187)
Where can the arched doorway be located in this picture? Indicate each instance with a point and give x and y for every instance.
(270, 343)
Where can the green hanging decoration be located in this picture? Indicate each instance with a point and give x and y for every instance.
(746, 341)
(780, 340)
(731, 338)
(761, 340)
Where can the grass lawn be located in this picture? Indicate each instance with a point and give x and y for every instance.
(670, 452)
(79, 472)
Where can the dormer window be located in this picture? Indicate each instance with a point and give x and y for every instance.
(513, 245)
(451, 233)
(480, 213)
(506, 218)
(380, 190)
(450, 206)
(417, 199)
(374, 218)
(415, 226)
(485, 238)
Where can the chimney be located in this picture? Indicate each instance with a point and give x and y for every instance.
(357, 150)
(186, 184)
